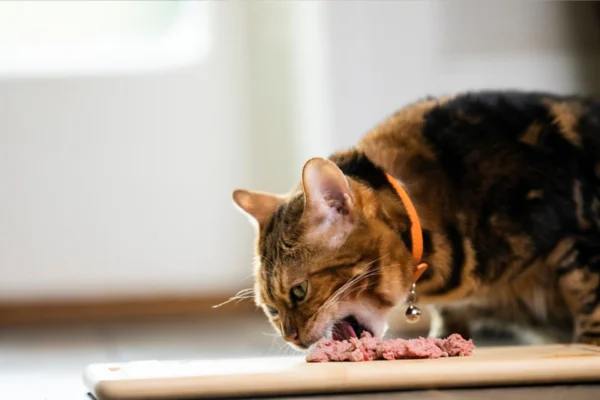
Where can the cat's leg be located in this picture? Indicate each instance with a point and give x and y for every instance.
(446, 320)
(578, 273)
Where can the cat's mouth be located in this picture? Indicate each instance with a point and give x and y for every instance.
(347, 328)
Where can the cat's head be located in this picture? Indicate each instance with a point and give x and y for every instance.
(327, 258)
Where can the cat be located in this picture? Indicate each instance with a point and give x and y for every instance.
(507, 188)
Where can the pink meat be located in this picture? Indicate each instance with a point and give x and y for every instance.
(369, 348)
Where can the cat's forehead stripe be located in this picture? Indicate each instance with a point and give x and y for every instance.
(266, 274)
(281, 232)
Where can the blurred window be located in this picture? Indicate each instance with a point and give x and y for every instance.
(45, 37)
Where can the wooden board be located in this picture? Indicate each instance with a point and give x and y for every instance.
(493, 366)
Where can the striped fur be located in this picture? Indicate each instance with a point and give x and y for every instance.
(507, 188)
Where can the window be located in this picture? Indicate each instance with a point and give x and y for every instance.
(71, 37)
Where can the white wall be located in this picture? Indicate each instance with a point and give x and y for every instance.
(386, 54)
(120, 185)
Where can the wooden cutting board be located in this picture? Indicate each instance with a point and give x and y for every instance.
(492, 366)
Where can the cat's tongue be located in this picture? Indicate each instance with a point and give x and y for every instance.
(342, 330)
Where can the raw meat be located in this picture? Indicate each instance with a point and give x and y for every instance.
(369, 348)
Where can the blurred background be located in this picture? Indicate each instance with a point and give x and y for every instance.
(126, 125)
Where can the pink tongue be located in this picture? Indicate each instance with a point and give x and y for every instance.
(342, 330)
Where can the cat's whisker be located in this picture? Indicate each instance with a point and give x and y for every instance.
(333, 300)
(243, 294)
(350, 282)
(338, 293)
(286, 349)
(341, 302)
(362, 277)
(270, 261)
(354, 277)
(276, 335)
(282, 347)
(355, 289)
(347, 288)
(273, 341)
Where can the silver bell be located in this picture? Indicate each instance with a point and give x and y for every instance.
(413, 314)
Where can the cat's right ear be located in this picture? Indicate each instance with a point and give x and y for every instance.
(329, 202)
(326, 189)
(258, 206)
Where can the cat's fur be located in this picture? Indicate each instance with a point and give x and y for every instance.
(507, 187)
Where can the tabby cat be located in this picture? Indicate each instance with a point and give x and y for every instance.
(507, 188)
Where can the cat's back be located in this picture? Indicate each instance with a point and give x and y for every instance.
(477, 138)
(534, 120)
(512, 164)
(531, 157)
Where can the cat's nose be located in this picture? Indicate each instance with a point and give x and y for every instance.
(292, 337)
(289, 331)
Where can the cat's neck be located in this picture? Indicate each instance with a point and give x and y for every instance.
(393, 212)
(383, 198)
(379, 199)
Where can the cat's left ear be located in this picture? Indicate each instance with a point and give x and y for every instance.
(259, 206)
(326, 189)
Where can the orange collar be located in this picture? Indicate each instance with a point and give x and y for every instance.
(415, 227)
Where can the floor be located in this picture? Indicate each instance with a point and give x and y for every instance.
(47, 363)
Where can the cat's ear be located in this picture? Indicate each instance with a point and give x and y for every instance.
(326, 190)
(259, 206)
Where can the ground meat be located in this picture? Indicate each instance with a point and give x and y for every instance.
(368, 348)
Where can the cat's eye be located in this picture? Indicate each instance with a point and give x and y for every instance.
(298, 292)
(272, 311)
